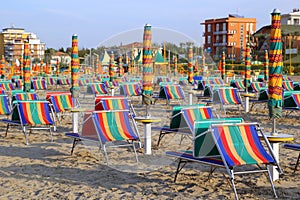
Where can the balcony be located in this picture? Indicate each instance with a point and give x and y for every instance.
(231, 32)
(220, 32)
(220, 44)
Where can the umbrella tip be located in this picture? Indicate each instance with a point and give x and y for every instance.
(276, 10)
(75, 34)
(148, 24)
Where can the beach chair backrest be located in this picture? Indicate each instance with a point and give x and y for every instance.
(25, 96)
(240, 84)
(229, 96)
(203, 143)
(97, 88)
(7, 85)
(292, 101)
(196, 114)
(34, 113)
(113, 126)
(39, 84)
(131, 89)
(4, 105)
(257, 86)
(88, 128)
(239, 144)
(173, 92)
(62, 102)
(117, 103)
(288, 85)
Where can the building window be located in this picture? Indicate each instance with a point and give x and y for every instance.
(224, 26)
(208, 39)
(296, 21)
(217, 38)
(208, 27)
(224, 38)
(217, 27)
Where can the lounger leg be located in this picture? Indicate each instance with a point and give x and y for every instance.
(161, 135)
(75, 141)
(105, 154)
(297, 163)
(6, 129)
(271, 181)
(26, 135)
(234, 189)
(134, 149)
(179, 168)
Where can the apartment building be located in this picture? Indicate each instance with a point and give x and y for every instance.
(229, 35)
(292, 18)
(12, 44)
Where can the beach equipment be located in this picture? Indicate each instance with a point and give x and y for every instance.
(237, 147)
(39, 84)
(178, 123)
(74, 67)
(266, 67)
(7, 86)
(26, 67)
(190, 66)
(97, 89)
(22, 96)
(295, 147)
(32, 115)
(170, 92)
(257, 87)
(291, 103)
(109, 129)
(247, 68)
(175, 66)
(239, 84)
(130, 89)
(111, 68)
(227, 97)
(147, 89)
(275, 74)
(223, 69)
(288, 85)
(5, 108)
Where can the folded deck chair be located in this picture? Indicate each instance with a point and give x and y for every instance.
(228, 97)
(33, 114)
(112, 128)
(231, 146)
(295, 147)
(170, 92)
(97, 89)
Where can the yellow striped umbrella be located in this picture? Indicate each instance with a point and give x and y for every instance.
(74, 67)
(26, 67)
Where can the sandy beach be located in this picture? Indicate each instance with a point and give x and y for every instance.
(46, 170)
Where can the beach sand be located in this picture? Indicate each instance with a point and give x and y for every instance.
(46, 170)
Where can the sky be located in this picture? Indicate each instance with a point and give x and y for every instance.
(96, 22)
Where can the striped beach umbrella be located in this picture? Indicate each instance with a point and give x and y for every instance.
(276, 65)
(266, 67)
(74, 67)
(2, 65)
(247, 67)
(26, 67)
(203, 62)
(190, 66)
(111, 67)
(121, 65)
(147, 61)
(223, 69)
(175, 66)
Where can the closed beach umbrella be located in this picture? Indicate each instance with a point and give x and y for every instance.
(111, 67)
(147, 61)
(223, 70)
(276, 65)
(175, 66)
(121, 65)
(190, 66)
(247, 67)
(2, 65)
(26, 67)
(74, 67)
(266, 67)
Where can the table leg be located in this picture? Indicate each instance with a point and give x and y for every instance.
(75, 122)
(246, 104)
(273, 170)
(147, 138)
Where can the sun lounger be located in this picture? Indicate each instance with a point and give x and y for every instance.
(170, 92)
(108, 127)
(231, 146)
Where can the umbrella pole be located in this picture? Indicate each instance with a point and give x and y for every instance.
(274, 126)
